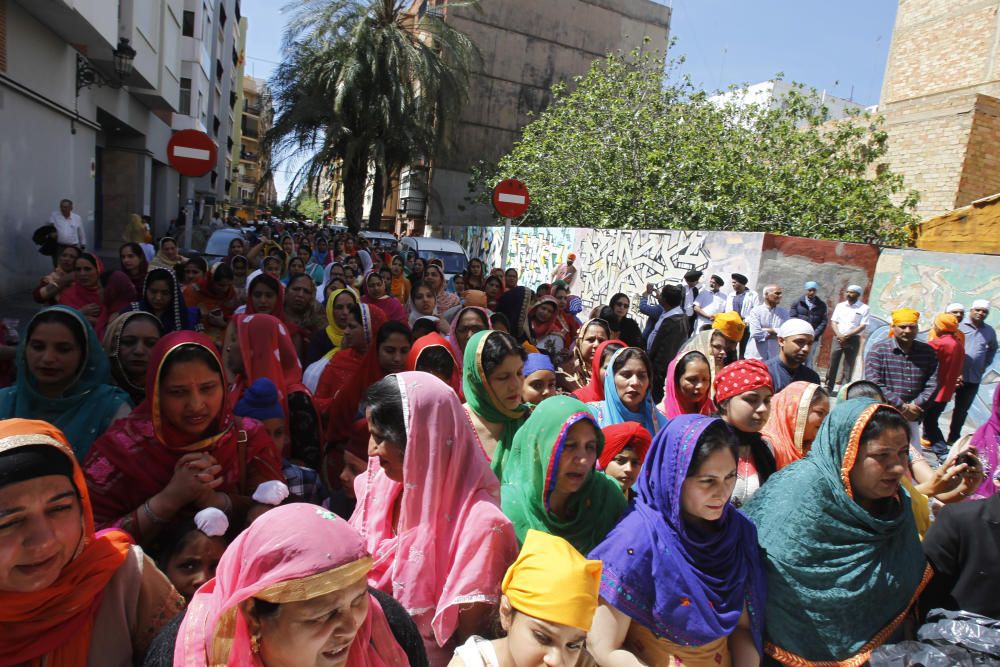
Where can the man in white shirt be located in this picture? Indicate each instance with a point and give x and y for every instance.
(848, 322)
(763, 323)
(742, 300)
(708, 304)
(69, 227)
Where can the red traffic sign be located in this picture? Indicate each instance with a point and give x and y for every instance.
(192, 153)
(510, 198)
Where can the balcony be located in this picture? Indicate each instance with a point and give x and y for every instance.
(252, 109)
(248, 156)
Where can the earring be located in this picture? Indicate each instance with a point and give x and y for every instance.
(255, 644)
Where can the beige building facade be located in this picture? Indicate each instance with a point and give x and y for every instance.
(941, 100)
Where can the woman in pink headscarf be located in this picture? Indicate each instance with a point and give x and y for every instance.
(291, 589)
(987, 441)
(428, 510)
(687, 389)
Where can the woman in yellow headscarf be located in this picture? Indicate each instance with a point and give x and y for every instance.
(323, 347)
(549, 592)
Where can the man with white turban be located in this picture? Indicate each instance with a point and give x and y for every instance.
(795, 340)
(980, 350)
(848, 323)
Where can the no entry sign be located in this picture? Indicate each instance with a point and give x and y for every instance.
(192, 153)
(510, 198)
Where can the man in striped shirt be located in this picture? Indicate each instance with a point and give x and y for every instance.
(905, 369)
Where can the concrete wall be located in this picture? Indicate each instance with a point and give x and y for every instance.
(791, 261)
(527, 46)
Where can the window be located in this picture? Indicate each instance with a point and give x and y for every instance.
(185, 101)
(187, 25)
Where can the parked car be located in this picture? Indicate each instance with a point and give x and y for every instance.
(381, 241)
(451, 254)
(218, 243)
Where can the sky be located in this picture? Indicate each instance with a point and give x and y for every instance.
(840, 47)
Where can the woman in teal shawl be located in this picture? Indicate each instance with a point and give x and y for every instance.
(549, 482)
(64, 378)
(844, 562)
(492, 377)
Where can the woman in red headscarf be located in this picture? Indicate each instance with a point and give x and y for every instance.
(259, 346)
(182, 449)
(625, 448)
(96, 295)
(362, 326)
(594, 389)
(97, 599)
(433, 354)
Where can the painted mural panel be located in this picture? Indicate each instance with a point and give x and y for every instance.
(614, 260)
(929, 281)
(790, 261)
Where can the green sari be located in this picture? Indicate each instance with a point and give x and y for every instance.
(531, 472)
(483, 401)
(840, 580)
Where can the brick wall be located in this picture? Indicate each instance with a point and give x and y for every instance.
(942, 73)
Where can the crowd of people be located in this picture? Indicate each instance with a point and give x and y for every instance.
(315, 451)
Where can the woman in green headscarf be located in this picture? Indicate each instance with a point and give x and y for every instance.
(64, 378)
(549, 482)
(492, 375)
(844, 562)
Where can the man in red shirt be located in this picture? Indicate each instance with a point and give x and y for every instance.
(948, 344)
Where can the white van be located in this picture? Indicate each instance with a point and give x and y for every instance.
(451, 254)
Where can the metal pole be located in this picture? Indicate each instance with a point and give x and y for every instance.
(506, 243)
(188, 210)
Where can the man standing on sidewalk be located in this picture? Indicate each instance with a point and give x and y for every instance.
(849, 321)
(813, 310)
(763, 324)
(946, 342)
(742, 300)
(69, 227)
(905, 369)
(980, 349)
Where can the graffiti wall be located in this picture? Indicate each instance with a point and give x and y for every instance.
(791, 261)
(929, 281)
(614, 260)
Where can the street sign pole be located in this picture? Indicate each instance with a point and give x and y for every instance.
(188, 189)
(510, 200)
(506, 243)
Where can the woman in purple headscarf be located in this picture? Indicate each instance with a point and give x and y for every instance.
(987, 442)
(706, 607)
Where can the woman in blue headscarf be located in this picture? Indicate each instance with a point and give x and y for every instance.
(64, 378)
(844, 562)
(627, 392)
(683, 579)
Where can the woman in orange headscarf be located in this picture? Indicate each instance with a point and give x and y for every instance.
(94, 598)
(796, 414)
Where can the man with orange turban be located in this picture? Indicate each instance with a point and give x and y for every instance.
(905, 369)
(948, 344)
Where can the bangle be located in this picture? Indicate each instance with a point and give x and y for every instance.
(152, 515)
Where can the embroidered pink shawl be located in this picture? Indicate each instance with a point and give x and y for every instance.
(287, 544)
(453, 544)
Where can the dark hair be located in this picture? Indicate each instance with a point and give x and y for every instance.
(671, 296)
(354, 311)
(175, 537)
(609, 350)
(423, 326)
(499, 318)
(305, 247)
(222, 272)
(199, 262)
(271, 283)
(714, 438)
(616, 296)
(298, 259)
(61, 317)
(389, 328)
(687, 359)
(385, 404)
(189, 352)
(301, 276)
(419, 285)
(596, 322)
(265, 609)
(436, 360)
(479, 261)
(63, 246)
(371, 275)
(820, 392)
(477, 312)
(629, 354)
(499, 346)
(90, 257)
(865, 389)
(494, 279)
(509, 269)
(560, 286)
(269, 258)
(134, 247)
(608, 315)
(885, 418)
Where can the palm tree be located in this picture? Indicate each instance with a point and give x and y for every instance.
(367, 82)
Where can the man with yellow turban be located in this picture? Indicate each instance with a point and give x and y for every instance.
(905, 369)
(948, 343)
(550, 590)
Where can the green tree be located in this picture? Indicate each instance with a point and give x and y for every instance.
(308, 206)
(368, 84)
(635, 146)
